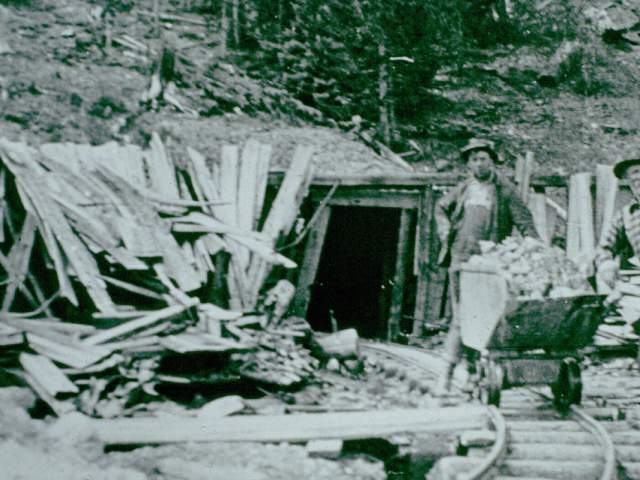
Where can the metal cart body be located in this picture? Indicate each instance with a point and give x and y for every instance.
(525, 341)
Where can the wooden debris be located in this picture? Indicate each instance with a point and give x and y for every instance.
(135, 325)
(282, 213)
(72, 354)
(52, 380)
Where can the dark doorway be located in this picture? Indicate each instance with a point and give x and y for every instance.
(355, 272)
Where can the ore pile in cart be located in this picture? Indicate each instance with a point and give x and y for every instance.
(523, 341)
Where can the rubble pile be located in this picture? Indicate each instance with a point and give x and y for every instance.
(532, 269)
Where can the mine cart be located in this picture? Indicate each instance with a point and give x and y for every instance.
(518, 341)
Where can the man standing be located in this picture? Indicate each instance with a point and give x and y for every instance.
(622, 240)
(485, 206)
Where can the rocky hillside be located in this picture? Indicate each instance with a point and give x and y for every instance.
(84, 72)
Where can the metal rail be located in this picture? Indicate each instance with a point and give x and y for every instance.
(609, 472)
(497, 451)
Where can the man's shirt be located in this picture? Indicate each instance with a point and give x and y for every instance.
(476, 225)
(623, 236)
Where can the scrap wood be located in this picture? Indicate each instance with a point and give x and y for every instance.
(145, 292)
(283, 212)
(44, 324)
(290, 428)
(218, 227)
(43, 371)
(76, 252)
(161, 170)
(186, 342)
(606, 191)
(214, 311)
(135, 325)
(262, 178)
(59, 407)
(17, 263)
(72, 354)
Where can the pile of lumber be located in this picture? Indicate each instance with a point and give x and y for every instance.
(113, 372)
(104, 215)
(169, 259)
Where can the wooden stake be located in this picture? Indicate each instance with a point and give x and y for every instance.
(606, 191)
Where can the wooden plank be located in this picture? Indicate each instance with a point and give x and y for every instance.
(399, 276)
(135, 325)
(283, 212)
(247, 177)
(228, 184)
(310, 263)
(3, 202)
(290, 428)
(411, 180)
(40, 324)
(573, 219)
(176, 265)
(48, 375)
(145, 292)
(538, 207)
(422, 256)
(162, 173)
(76, 252)
(262, 177)
(59, 407)
(585, 208)
(529, 165)
(606, 191)
(76, 355)
(369, 197)
(19, 258)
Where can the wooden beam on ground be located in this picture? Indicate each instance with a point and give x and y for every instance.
(399, 275)
(310, 263)
(290, 428)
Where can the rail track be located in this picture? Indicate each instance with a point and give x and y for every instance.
(531, 440)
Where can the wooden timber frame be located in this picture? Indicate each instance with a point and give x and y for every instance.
(414, 192)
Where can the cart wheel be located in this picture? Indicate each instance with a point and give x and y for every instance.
(492, 384)
(567, 389)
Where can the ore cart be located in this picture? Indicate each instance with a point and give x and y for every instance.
(524, 341)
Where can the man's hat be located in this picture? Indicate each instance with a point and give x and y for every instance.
(621, 167)
(480, 144)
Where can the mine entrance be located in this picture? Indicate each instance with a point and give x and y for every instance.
(355, 274)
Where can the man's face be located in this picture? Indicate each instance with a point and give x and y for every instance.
(480, 163)
(633, 177)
